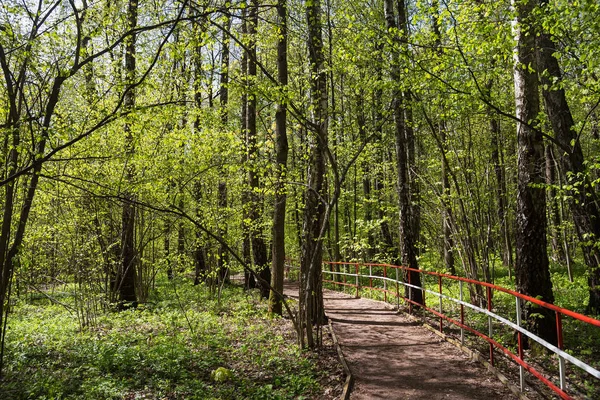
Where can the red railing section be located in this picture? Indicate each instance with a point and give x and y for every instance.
(518, 358)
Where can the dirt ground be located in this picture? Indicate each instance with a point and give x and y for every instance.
(392, 357)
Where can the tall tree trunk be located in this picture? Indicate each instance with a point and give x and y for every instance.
(532, 267)
(583, 200)
(408, 250)
(259, 248)
(126, 275)
(281, 149)
(336, 222)
(249, 280)
(311, 291)
(200, 266)
(448, 241)
(223, 259)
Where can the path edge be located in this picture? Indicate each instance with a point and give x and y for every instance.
(349, 378)
(473, 354)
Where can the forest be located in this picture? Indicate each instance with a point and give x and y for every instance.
(155, 152)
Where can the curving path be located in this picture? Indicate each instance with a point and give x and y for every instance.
(392, 357)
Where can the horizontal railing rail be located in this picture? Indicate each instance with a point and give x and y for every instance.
(391, 284)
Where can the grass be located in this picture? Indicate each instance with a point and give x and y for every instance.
(159, 351)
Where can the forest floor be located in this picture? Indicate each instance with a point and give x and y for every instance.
(166, 349)
(391, 356)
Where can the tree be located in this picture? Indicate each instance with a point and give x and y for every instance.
(125, 277)
(315, 203)
(281, 150)
(583, 198)
(39, 122)
(408, 249)
(259, 248)
(223, 268)
(532, 266)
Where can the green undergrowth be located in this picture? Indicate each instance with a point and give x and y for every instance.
(165, 349)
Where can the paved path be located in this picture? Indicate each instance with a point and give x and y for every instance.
(392, 357)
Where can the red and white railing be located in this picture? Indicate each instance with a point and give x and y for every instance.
(391, 284)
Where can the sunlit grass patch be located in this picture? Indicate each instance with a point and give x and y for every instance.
(165, 349)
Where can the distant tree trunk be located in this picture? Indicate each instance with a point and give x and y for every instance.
(506, 246)
(223, 259)
(126, 275)
(281, 150)
(167, 249)
(532, 269)
(311, 291)
(553, 212)
(181, 239)
(200, 266)
(413, 173)
(583, 201)
(446, 208)
(390, 249)
(259, 248)
(366, 178)
(448, 241)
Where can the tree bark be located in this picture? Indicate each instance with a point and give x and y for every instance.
(223, 259)
(126, 275)
(311, 292)
(583, 199)
(408, 250)
(259, 248)
(532, 267)
(200, 266)
(281, 149)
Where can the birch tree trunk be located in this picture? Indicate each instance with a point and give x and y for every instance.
(532, 266)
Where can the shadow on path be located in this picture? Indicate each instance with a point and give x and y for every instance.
(392, 357)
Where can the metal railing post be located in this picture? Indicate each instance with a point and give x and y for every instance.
(441, 311)
(397, 290)
(490, 329)
(370, 275)
(410, 305)
(357, 281)
(462, 313)
(385, 283)
(561, 361)
(520, 345)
